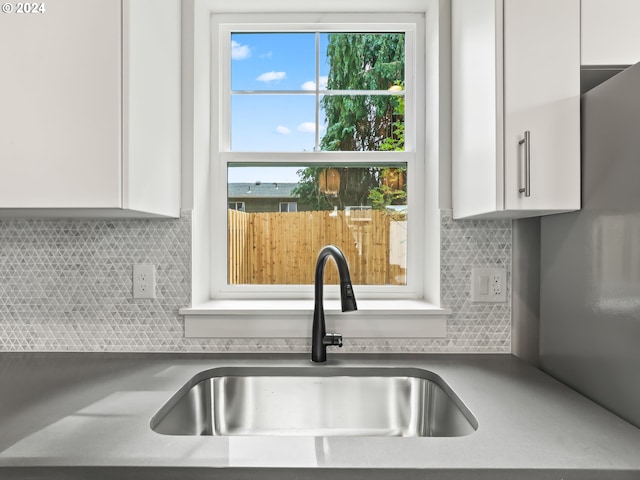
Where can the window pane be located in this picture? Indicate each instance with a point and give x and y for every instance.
(363, 123)
(288, 207)
(360, 209)
(273, 123)
(363, 61)
(262, 121)
(273, 61)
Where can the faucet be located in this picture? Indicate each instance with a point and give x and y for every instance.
(320, 339)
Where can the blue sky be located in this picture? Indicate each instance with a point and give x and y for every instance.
(275, 61)
(243, 174)
(275, 122)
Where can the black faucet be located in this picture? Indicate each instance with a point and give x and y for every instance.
(320, 339)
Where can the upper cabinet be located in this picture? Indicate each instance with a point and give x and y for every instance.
(90, 109)
(610, 32)
(515, 107)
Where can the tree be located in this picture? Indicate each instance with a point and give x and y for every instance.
(355, 186)
(395, 141)
(307, 190)
(360, 61)
(394, 191)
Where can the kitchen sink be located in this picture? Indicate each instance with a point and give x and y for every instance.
(327, 401)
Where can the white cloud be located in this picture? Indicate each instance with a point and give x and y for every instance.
(307, 127)
(271, 77)
(282, 130)
(311, 85)
(239, 51)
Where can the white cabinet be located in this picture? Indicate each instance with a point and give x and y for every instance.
(610, 32)
(90, 109)
(515, 74)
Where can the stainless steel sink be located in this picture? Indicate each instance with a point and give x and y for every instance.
(325, 401)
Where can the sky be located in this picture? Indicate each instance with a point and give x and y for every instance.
(275, 61)
(275, 122)
(236, 174)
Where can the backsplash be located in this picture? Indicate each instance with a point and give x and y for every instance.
(65, 285)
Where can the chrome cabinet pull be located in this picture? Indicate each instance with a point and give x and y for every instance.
(527, 164)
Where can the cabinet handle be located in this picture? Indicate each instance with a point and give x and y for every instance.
(527, 163)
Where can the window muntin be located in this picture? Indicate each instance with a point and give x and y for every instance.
(411, 159)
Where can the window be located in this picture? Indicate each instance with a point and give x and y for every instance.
(236, 206)
(288, 207)
(224, 309)
(329, 109)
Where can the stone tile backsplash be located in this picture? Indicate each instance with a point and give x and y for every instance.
(65, 285)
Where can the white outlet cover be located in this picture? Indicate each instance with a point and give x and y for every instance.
(144, 281)
(489, 285)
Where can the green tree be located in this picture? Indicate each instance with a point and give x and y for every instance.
(360, 122)
(355, 186)
(361, 61)
(307, 189)
(386, 193)
(395, 141)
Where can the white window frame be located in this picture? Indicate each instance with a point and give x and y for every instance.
(412, 25)
(242, 205)
(213, 312)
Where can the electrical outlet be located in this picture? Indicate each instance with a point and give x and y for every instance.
(144, 281)
(488, 285)
(497, 285)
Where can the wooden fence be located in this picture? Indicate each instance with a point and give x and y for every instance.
(282, 248)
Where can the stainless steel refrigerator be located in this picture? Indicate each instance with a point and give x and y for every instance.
(590, 259)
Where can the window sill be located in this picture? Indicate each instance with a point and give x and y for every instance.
(293, 318)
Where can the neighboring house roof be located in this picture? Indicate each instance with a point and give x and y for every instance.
(261, 190)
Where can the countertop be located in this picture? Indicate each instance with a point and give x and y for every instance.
(86, 415)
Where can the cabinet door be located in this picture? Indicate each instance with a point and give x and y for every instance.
(476, 107)
(542, 96)
(60, 115)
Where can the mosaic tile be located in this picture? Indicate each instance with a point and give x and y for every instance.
(65, 285)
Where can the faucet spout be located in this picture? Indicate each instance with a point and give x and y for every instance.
(320, 339)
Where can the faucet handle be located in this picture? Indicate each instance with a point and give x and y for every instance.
(334, 339)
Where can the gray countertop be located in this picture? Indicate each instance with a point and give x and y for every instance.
(67, 414)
